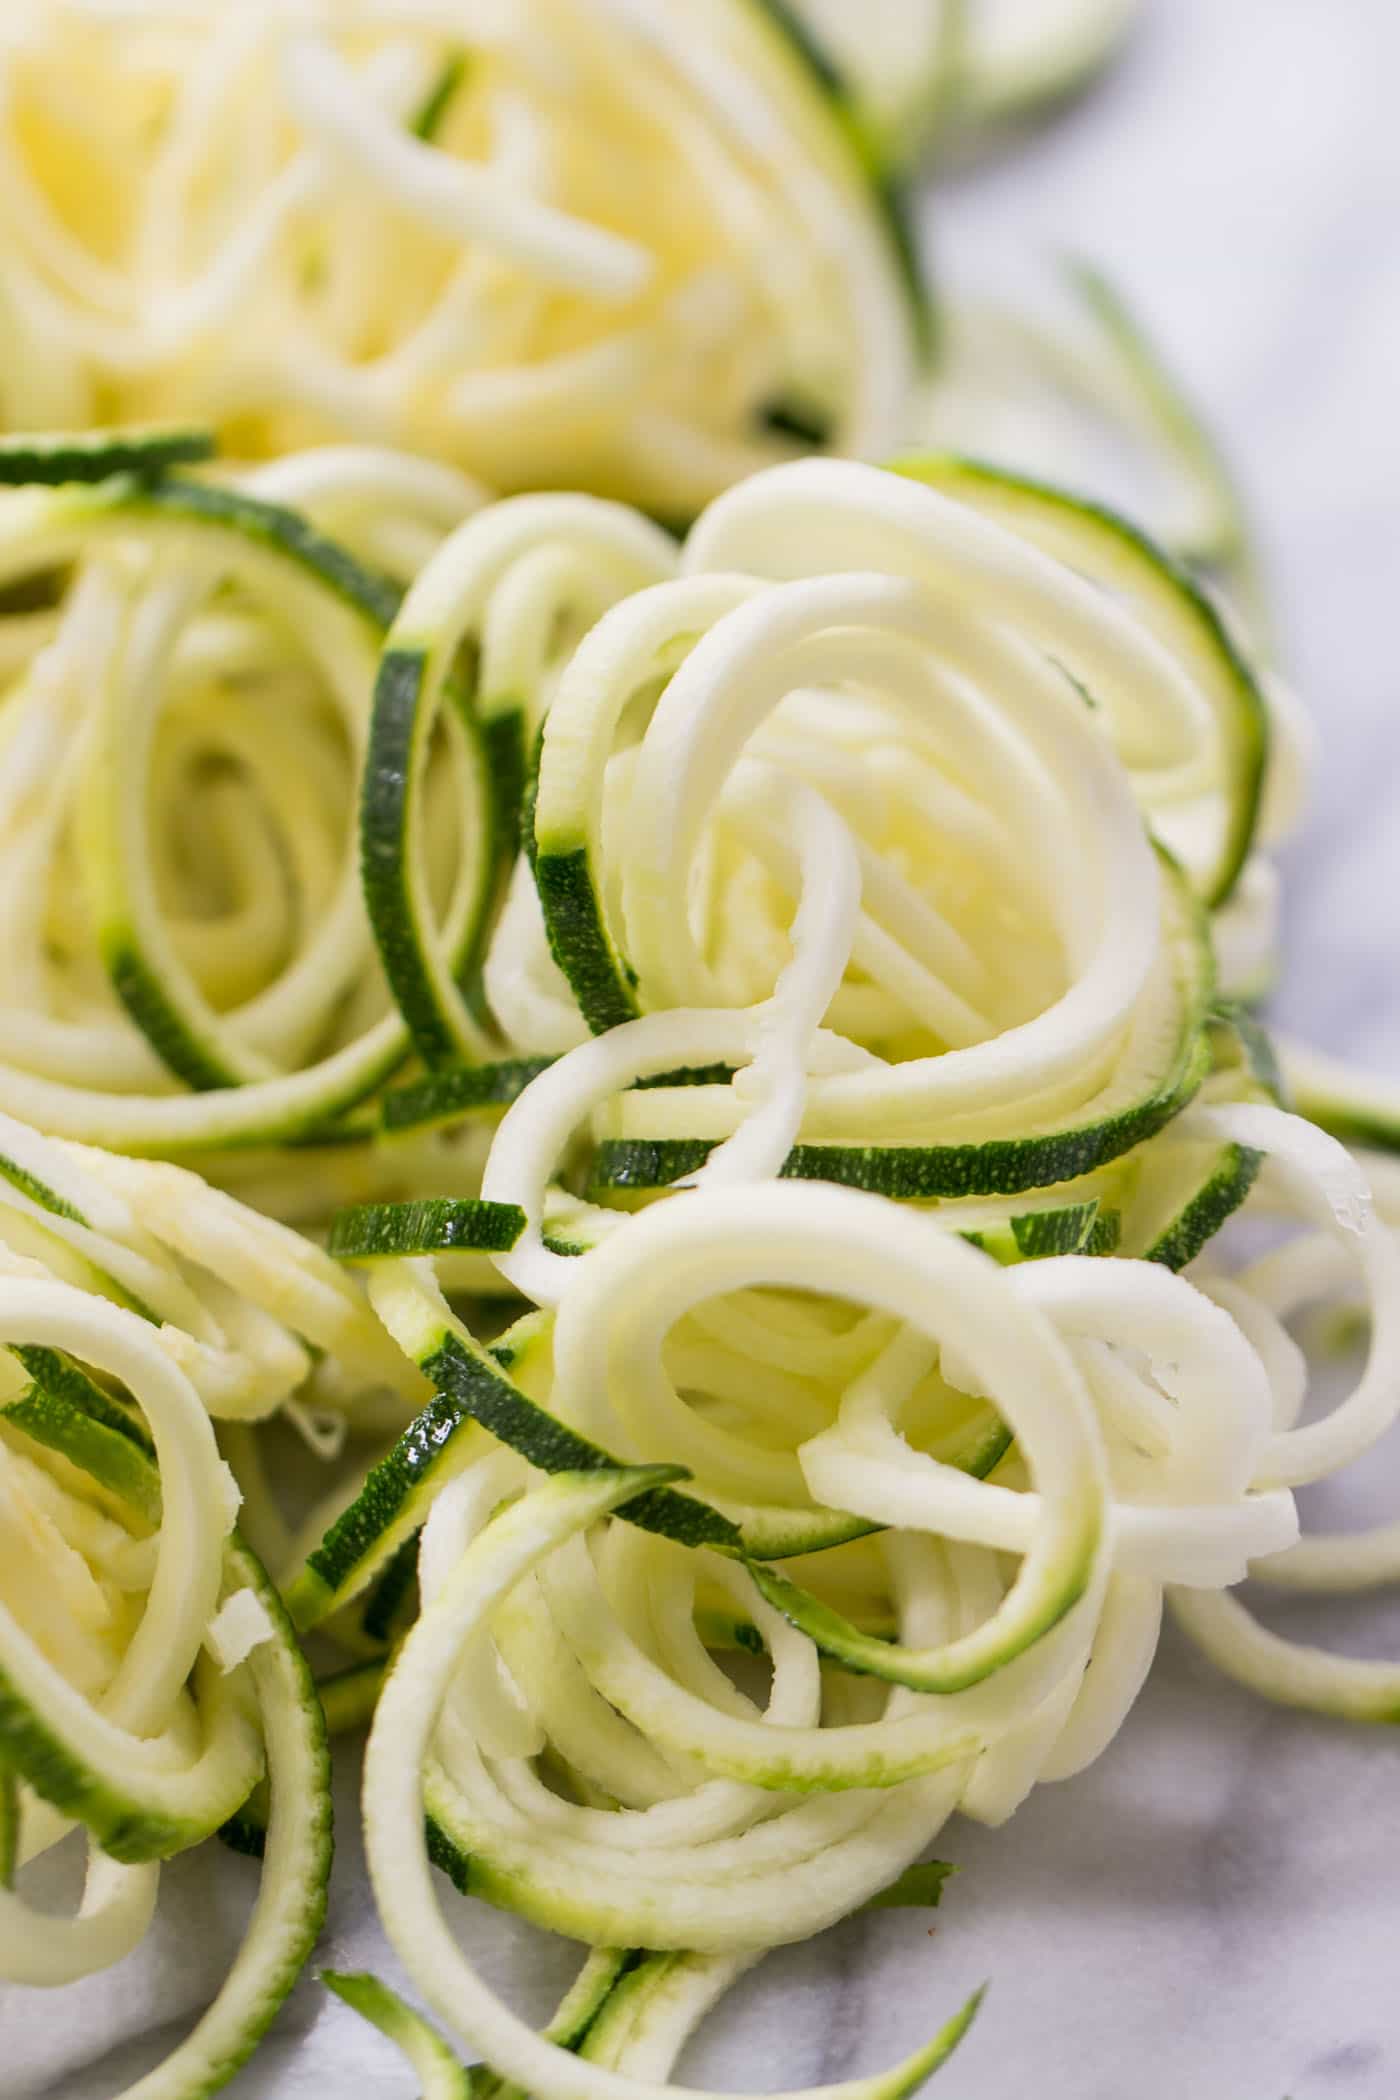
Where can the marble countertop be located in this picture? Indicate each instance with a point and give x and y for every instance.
(1211, 1913)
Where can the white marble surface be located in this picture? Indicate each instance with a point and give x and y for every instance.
(1213, 1913)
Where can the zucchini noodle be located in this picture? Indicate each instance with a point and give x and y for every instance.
(1056, 376)
(924, 74)
(633, 268)
(1349, 1253)
(1018, 56)
(187, 908)
(114, 1710)
(212, 658)
(890, 711)
(751, 1259)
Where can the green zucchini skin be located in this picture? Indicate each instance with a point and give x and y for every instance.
(54, 459)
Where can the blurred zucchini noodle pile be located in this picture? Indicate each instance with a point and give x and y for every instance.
(650, 1149)
(639, 249)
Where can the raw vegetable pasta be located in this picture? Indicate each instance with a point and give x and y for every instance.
(670, 254)
(629, 1114)
(771, 1309)
(555, 242)
(929, 75)
(149, 1676)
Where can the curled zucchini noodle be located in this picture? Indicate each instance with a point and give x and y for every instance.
(830, 1109)
(1349, 1253)
(181, 756)
(248, 1309)
(194, 963)
(899, 63)
(921, 70)
(1148, 1422)
(857, 829)
(149, 1675)
(787, 827)
(1014, 57)
(1055, 375)
(556, 242)
(1149, 1444)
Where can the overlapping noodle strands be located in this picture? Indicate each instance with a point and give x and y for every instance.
(527, 1537)
(1181, 704)
(858, 832)
(1057, 376)
(148, 1674)
(557, 242)
(1345, 1253)
(817, 1443)
(252, 866)
(840, 868)
(1149, 1443)
(263, 1323)
(840, 848)
(188, 957)
(833, 1091)
(1139, 1451)
(513, 588)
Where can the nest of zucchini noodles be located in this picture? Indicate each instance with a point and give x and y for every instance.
(565, 243)
(556, 242)
(734, 1027)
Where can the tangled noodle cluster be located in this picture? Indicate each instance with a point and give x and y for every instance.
(828, 903)
(579, 241)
